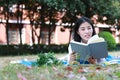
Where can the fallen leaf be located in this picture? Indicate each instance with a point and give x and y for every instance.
(69, 68)
(80, 70)
(21, 77)
(98, 68)
(83, 78)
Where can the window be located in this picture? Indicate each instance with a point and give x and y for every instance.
(44, 37)
(13, 36)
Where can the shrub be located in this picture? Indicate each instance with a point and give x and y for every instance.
(111, 43)
(13, 50)
(47, 59)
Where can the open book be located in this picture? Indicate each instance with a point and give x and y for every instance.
(96, 47)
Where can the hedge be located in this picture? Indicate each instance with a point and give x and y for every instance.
(35, 49)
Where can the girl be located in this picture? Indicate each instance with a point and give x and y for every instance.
(82, 32)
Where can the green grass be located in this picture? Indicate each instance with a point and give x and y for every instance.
(61, 72)
(90, 72)
(118, 73)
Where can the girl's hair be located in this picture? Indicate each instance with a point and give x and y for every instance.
(81, 20)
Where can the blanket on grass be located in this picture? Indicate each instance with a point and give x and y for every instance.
(108, 61)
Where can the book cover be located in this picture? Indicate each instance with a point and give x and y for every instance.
(96, 48)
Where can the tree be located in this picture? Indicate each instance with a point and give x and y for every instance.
(48, 10)
(5, 11)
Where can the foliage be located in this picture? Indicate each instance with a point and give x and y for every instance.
(25, 49)
(85, 7)
(118, 74)
(109, 39)
(47, 59)
(108, 8)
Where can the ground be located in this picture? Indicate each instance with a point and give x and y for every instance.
(6, 60)
(91, 72)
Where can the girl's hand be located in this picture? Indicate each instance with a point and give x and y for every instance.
(73, 56)
(92, 60)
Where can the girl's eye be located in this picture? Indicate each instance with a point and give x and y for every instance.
(89, 27)
(82, 29)
(86, 28)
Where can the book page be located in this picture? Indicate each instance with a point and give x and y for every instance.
(95, 39)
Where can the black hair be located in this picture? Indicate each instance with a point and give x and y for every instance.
(81, 20)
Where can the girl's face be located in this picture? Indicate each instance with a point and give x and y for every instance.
(85, 31)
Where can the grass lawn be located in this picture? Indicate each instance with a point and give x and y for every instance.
(80, 72)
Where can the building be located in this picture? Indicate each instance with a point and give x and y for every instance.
(58, 36)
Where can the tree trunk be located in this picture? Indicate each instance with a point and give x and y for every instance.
(7, 18)
(19, 23)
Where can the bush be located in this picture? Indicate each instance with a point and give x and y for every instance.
(111, 43)
(47, 59)
(13, 50)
